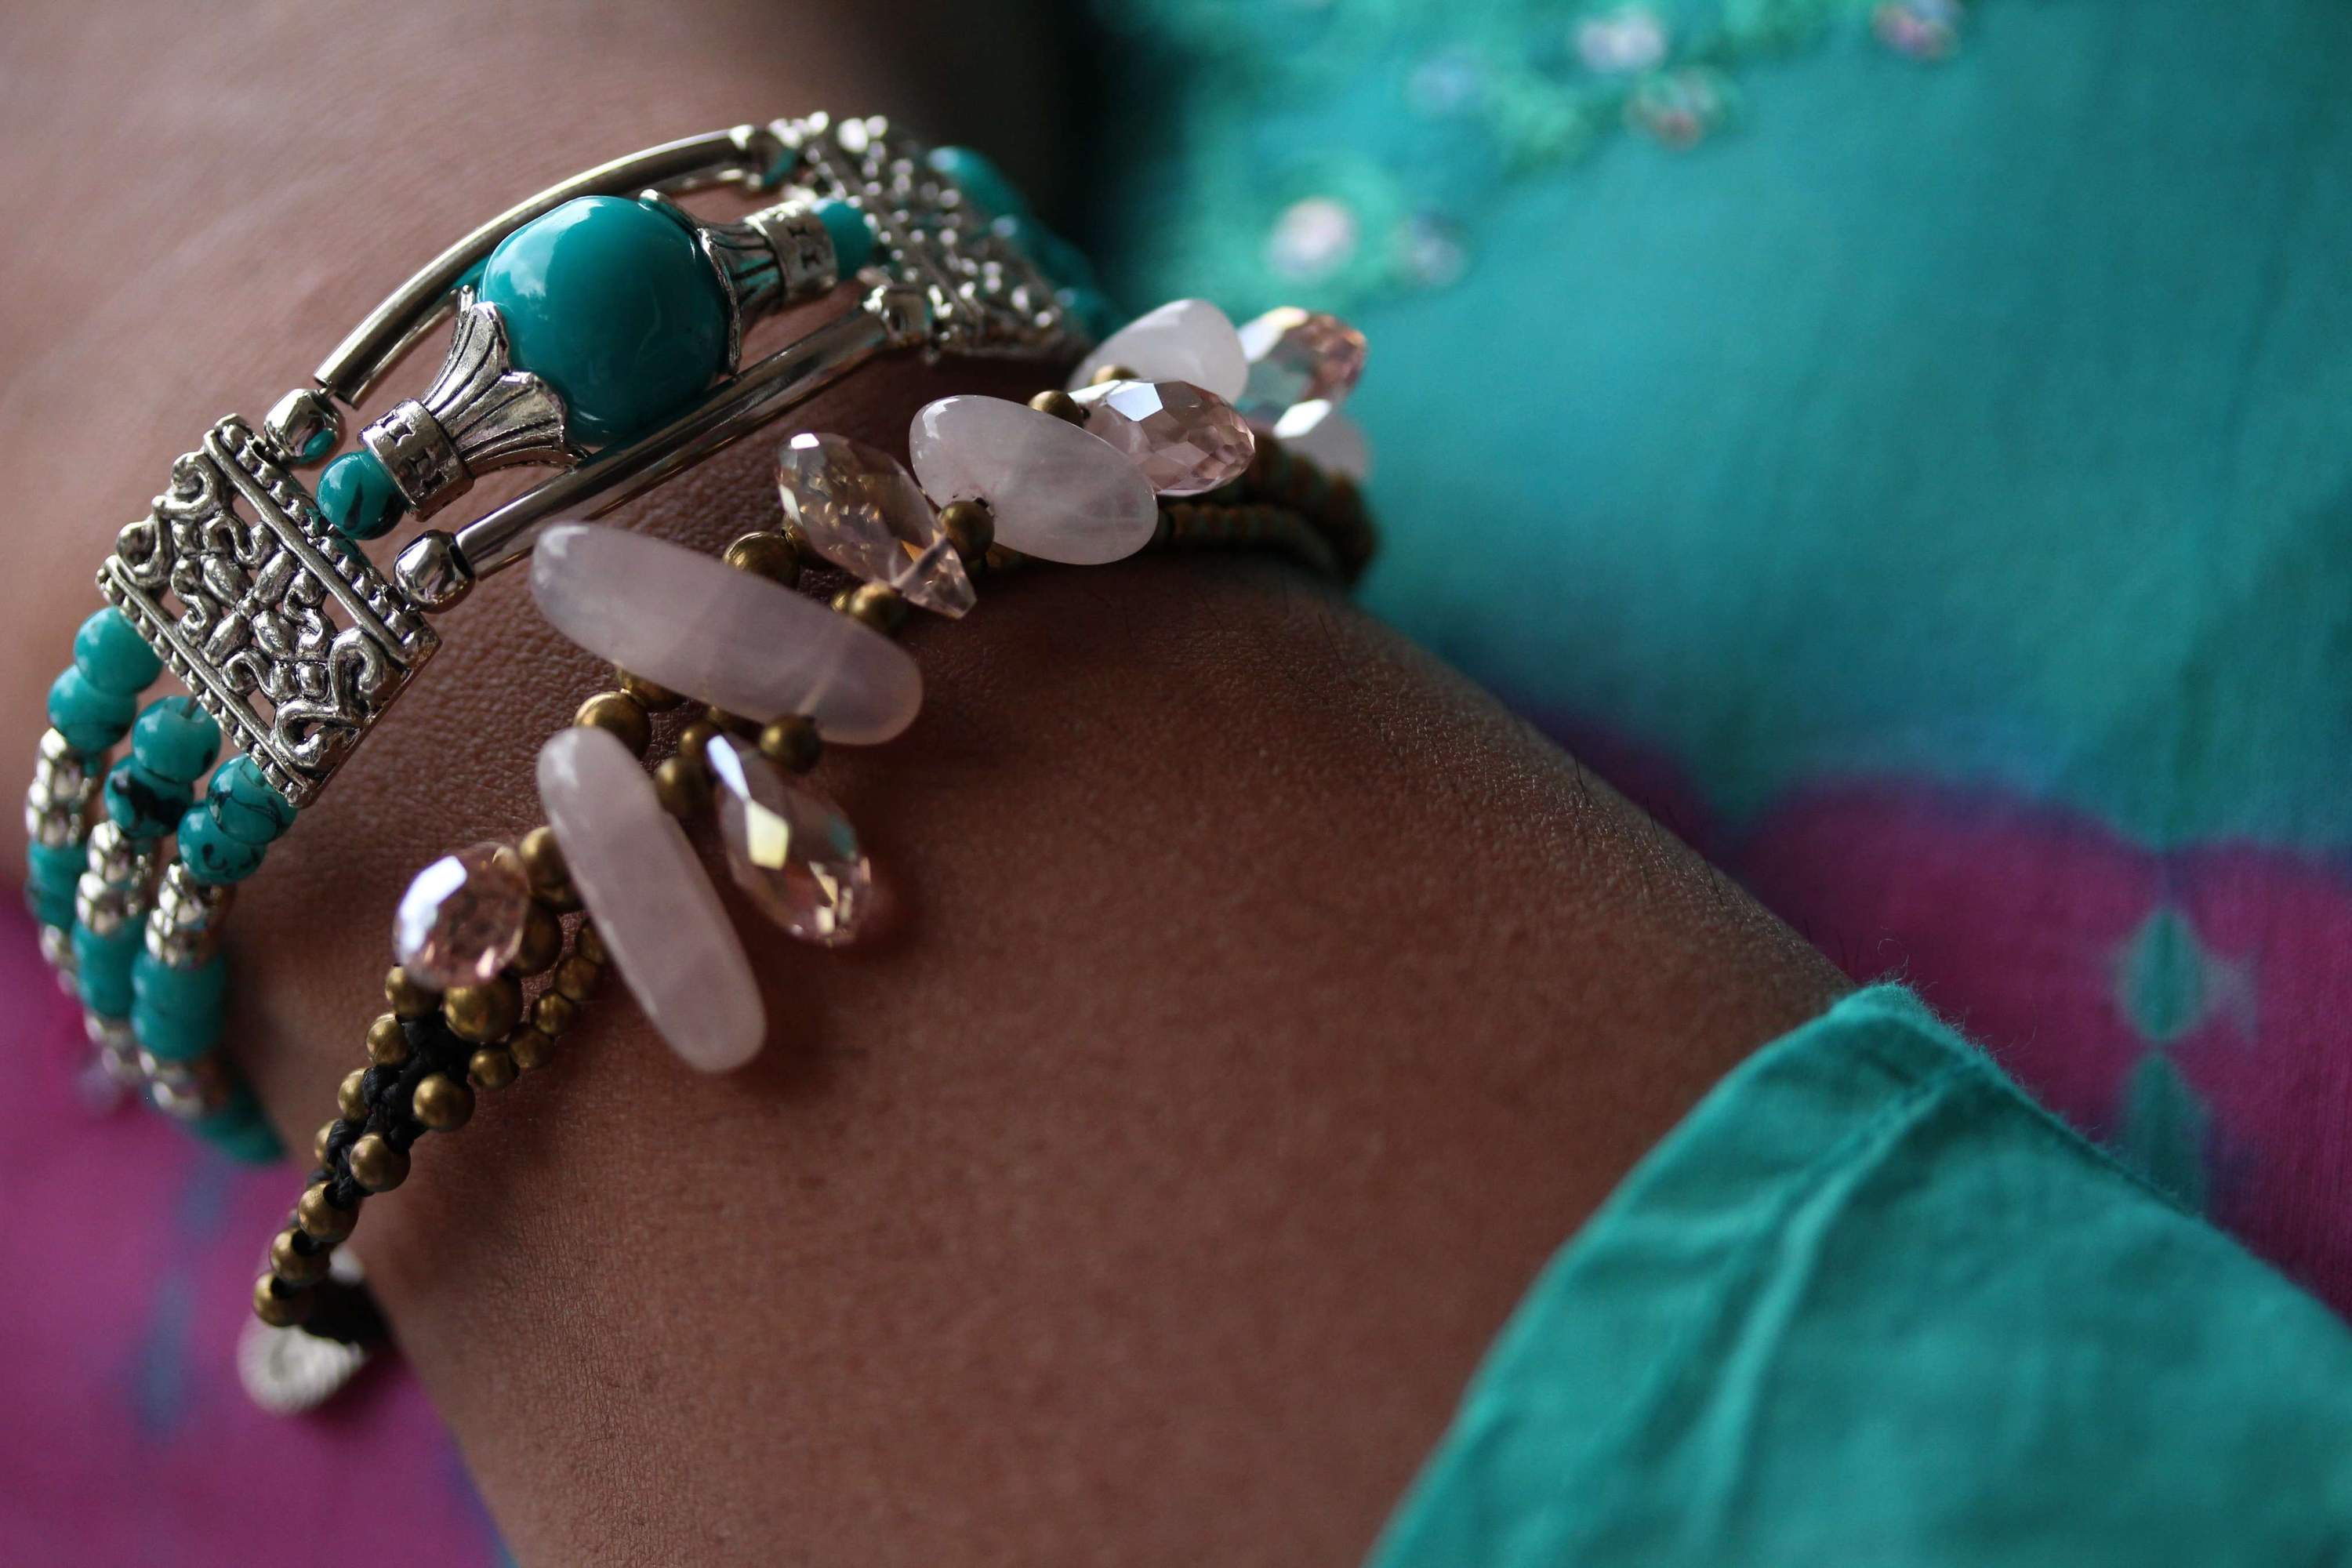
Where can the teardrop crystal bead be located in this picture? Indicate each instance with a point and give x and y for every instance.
(1297, 357)
(862, 512)
(789, 848)
(1185, 441)
(462, 919)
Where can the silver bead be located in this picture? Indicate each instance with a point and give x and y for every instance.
(432, 572)
(185, 927)
(303, 427)
(185, 1091)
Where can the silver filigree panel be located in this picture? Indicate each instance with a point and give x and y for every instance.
(282, 629)
(988, 297)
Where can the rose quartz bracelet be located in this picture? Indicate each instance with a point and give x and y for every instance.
(1180, 432)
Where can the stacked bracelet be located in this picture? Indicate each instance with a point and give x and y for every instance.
(600, 329)
(1120, 464)
(603, 331)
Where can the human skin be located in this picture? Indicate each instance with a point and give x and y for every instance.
(1262, 1006)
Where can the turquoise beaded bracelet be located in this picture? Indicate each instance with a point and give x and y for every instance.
(598, 329)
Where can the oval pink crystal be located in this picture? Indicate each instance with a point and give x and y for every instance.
(1185, 439)
(461, 920)
(789, 848)
(862, 512)
(1298, 356)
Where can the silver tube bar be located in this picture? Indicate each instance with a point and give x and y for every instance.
(499, 538)
(377, 343)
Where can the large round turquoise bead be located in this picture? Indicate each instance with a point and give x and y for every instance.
(614, 306)
(112, 656)
(90, 716)
(210, 851)
(102, 968)
(176, 739)
(245, 805)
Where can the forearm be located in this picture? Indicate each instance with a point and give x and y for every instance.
(1262, 1005)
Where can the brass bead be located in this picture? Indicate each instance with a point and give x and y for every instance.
(543, 860)
(590, 943)
(876, 605)
(695, 737)
(442, 1104)
(532, 1049)
(278, 1312)
(652, 696)
(554, 1013)
(320, 1219)
(291, 1264)
(620, 715)
(791, 743)
(683, 787)
(969, 526)
(1110, 372)
(542, 939)
(576, 977)
(388, 1041)
(1060, 405)
(410, 998)
(769, 555)
(484, 1013)
(351, 1096)
(377, 1166)
(319, 1143)
(492, 1066)
(720, 720)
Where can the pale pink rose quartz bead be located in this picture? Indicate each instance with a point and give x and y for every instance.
(694, 624)
(1057, 492)
(657, 912)
(1184, 340)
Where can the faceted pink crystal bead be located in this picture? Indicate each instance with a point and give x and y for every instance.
(789, 848)
(1057, 492)
(1296, 357)
(1183, 439)
(461, 920)
(657, 912)
(1184, 340)
(692, 622)
(862, 512)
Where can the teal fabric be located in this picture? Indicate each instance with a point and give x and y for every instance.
(1869, 1307)
(1990, 420)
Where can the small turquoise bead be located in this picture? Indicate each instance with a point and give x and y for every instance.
(210, 852)
(611, 303)
(56, 864)
(112, 656)
(175, 739)
(197, 992)
(1092, 308)
(245, 805)
(173, 1037)
(358, 496)
(51, 872)
(976, 175)
(141, 805)
(239, 1130)
(853, 236)
(1057, 258)
(102, 964)
(89, 716)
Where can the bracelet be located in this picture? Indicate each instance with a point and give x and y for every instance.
(483, 989)
(599, 330)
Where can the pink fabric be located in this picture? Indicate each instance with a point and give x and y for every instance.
(130, 1252)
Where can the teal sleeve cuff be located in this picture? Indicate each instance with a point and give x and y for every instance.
(1868, 1304)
